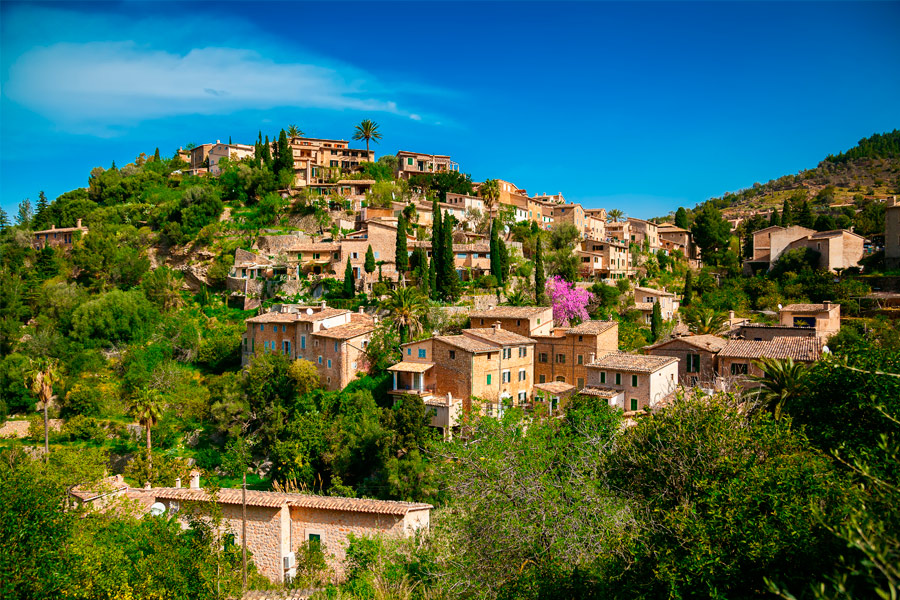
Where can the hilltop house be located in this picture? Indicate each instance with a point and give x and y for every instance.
(824, 317)
(59, 237)
(413, 163)
(563, 354)
(838, 249)
(645, 298)
(524, 320)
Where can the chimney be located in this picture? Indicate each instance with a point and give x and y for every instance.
(324, 305)
(827, 304)
(496, 326)
(146, 485)
(78, 223)
(52, 226)
(362, 310)
(730, 316)
(218, 141)
(178, 482)
(195, 479)
(592, 358)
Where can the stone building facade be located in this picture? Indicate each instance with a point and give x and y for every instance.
(59, 237)
(824, 317)
(696, 356)
(637, 381)
(524, 320)
(563, 355)
(278, 523)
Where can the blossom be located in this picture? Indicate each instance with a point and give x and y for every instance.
(569, 302)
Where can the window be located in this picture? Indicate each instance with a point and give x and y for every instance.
(580, 383)
(539, 321)
(287, 347)
(561, 359)
(523, 351)
(739, 368)
(523, 396)
(409, 161)
(329, 363)
(522, 375)
(634, 381)
(376, 255)
(634, 404)
(262, 327)
(693, 363)
(453, 355)
(518, 322)
(409, 351)
(252, 345)
(320, 359)
(283, 328)
(303, 342)
(542, 379)
(336, 346)
(354, 255)
(315, 538)
(602, 376)
(560, 378)
(422, 352)
(618, 379)
(542, 357)
(581, 359)
(580, 338)
(505, 376)
(489, 379)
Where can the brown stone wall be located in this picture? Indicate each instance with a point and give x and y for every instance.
(571, 347)
(454, 375)
(650, 389)
(680, 350)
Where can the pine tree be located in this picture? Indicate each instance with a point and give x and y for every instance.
(349, 285)
(25, 214)
(401, 251)
(787, 216)
(4, 220)
(540, 282)
(156, 154)
(40, 216)
(369, 265)
(774, 219)
(681, 218)
(448, 280)
(656, 322)
(688, 289)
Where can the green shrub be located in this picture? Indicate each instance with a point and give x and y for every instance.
(85, 428)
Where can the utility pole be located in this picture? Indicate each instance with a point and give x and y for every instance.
(244, 530)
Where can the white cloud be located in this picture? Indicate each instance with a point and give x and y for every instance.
(83, 85)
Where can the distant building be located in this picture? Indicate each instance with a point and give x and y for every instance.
(645, 298)
(825, 318)
(415, 163)
(737, 359)
(837, 249)
(317, 162)
(61, 237)
(563, 354)
(632, 381)
(524, 320)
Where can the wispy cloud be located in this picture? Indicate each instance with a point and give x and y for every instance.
(99, 87)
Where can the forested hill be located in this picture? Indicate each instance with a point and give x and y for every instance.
(869, 170)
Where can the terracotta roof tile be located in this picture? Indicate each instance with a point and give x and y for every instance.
(277, 500)
(509, 312)
(592, 327)
(555, 387)
(410, 367)
(274, 317)
(501, 337)
(325, 313)
(643, 305)
(711, 343)
(654, 292)
(806, 307)
(345, 332)
(466, 343)
(799, 348)
(637, 363)
(600, 392)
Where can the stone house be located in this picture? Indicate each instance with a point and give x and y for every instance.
(570, 213)
(555, 394)
(277, 523)
(825, 317)
(680, 239)
(564, 354)
(892, 234)
(619, 231)
(645, 298)
(524, 320)
(838, 249)
(644, 231)
(736, 359)
(696, 356)
(472, 260)
(632, 381)
(59, 237)
(333, 339)
(594, 226)
(615, 258)
(414, 163)
(490, 364)
(319, 161)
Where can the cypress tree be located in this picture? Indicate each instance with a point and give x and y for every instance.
(774, 218)
(369, 265)
(437, 241)
(402, 255)
(688, 288)
(229, 140)
(156, 154)
(504, 262)
(432, 280)
(448, 280)
(681, 218)
(285, 156)
(787, 217)
(495, 253)
(267, 153)
(805, 216)
(349, 285)
(656, 321)
(540, 282)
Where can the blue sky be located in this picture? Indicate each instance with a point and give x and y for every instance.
(641, 106)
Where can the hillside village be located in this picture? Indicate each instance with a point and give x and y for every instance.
(340, 330)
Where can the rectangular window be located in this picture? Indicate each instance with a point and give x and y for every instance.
(618, 379)
(542, 357)
(602, 376)
(329, 363)
(489, 379)
(422, 352)
(320, 359)
(580, 383)
(542, 379)
(581, 359)
(561, 359)
(409, 161)
(303, 342)
(693, 363)
(315, 537)
(522, 374)
(409, 351)
(453, 355)
(252, 345)
(283, 328)
(505, 377)
(376, 255)
(523, 396)
(262, 327)
(634, 381)
(336, 344)
(539, 321)
(287, 347)
(634, 404)
(739, 368)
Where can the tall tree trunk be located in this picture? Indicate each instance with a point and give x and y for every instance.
(149, 455)
(46, 433)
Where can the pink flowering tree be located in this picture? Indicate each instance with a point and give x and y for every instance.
(569, 302)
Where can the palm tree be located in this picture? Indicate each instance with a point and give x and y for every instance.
(44, 373)
(705, 321)
(407, 307)
(147, 407)
(614, 215)
(490, 192)
(367, 130)
(519, 298)
(294, 131)
(781, 381)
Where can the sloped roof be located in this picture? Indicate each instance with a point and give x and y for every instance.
(600, 392)
(637, 363)
(643, 305)
(654, 292)
(711, 343)
(802, 349)
(806, 307)
(273, 317)
(592, 327)
(466, 343)
(410, 367)
(322, 314)
(277, 500)
(315, 247)
(501, 337)
(345, 332)
(509, 312)
(555, 387)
